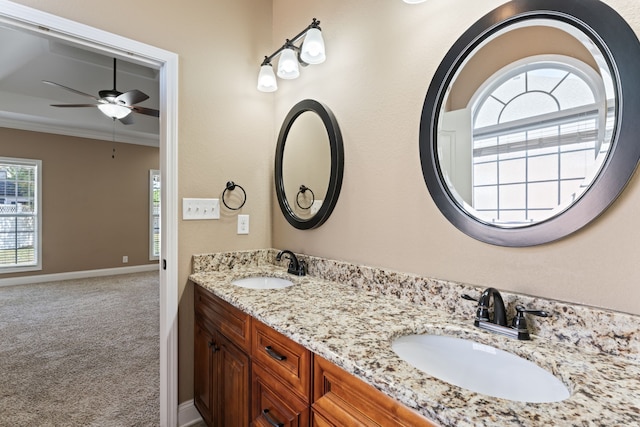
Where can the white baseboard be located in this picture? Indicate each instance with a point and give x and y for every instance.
(188, 415)
(40, 278)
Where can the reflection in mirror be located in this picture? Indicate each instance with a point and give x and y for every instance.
(309, 164)
(522, 139)
(306, 164)
(529, 128)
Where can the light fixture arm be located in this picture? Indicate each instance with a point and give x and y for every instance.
(289, 43)
(310, 51)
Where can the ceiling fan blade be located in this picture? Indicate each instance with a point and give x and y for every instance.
(127, 120)
(70, 89)
(146, 111)
(132, 97)
(73, 105)
(114, 97)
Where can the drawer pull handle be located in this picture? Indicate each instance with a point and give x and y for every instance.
(274, 354)
(213, 346)
(265, 413)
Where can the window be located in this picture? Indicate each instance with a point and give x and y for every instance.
(154, 214)
(20, 235)
(537, 140)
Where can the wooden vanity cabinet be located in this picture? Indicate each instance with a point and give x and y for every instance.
(248, 374)
(340, 399)
(203, 368)
(273, 403)
(281, 379)
(232, 322)
(221, 361)
(287, 360)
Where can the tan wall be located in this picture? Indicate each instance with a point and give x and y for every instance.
(381, 56)
(225, 126)
(95, 208)
(515, 45)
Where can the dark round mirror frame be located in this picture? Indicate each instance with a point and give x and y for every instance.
(621, 48)
(337, 164)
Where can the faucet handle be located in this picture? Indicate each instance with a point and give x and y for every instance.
(482, 311)
(302, 268)
(520, 322)
(539, 313)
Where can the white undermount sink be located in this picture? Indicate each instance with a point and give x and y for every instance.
(263, 282)
(480, 368)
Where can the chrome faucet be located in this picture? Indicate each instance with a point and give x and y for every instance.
(497, 321)
(297, 267)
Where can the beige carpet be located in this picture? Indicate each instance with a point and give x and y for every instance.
(81, 352)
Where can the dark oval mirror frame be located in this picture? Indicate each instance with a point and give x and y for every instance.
(621, 49)
(337, 164)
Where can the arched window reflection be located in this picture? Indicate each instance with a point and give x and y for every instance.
(539, 136)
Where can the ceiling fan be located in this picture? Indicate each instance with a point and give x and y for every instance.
(112, 103)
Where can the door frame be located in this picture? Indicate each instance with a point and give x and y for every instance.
(166, 62)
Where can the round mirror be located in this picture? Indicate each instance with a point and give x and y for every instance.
(527, 133)
(309, 164)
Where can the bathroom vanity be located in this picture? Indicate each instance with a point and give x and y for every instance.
(245, 371)
(319, 352)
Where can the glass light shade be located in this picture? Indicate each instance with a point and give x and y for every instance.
(313, 47)
(114, 111)
(266, 79)
(288, 65)
(414, 1)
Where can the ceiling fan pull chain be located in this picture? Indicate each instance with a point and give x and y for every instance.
(113, 151)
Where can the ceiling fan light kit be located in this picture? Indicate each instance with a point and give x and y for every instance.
(114, 111)
(112, 103)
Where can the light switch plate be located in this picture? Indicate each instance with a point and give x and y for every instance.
(315, 207)
(243, 224)
(197, 209)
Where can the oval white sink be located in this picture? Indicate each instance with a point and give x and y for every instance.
(480, 368)
(263, 283)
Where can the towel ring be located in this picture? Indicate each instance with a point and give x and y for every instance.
(230, 187)
(303, 190)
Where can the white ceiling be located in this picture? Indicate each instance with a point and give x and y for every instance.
(27, 59)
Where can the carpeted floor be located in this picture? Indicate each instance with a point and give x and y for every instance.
(81, 352)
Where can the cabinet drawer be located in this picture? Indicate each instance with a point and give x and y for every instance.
(287, 360)
(232, 322)
(338, 415)
(341, 399)
(318, 420)
(273, 403)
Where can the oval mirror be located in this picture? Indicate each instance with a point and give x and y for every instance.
(528, 130)
(309, 164)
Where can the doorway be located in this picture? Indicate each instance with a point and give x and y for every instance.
(28, 19)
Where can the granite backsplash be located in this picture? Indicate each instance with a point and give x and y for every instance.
(590, 328)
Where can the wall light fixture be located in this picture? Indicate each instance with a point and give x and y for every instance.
(291, 56)
(414, 1)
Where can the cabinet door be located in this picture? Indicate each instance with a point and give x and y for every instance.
(203, 371)
(273, 403)
(231, 380)
(340, 399)
(340, 418)
(332, 412)
(318, 420)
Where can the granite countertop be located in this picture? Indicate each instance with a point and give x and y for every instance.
(354, 328)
